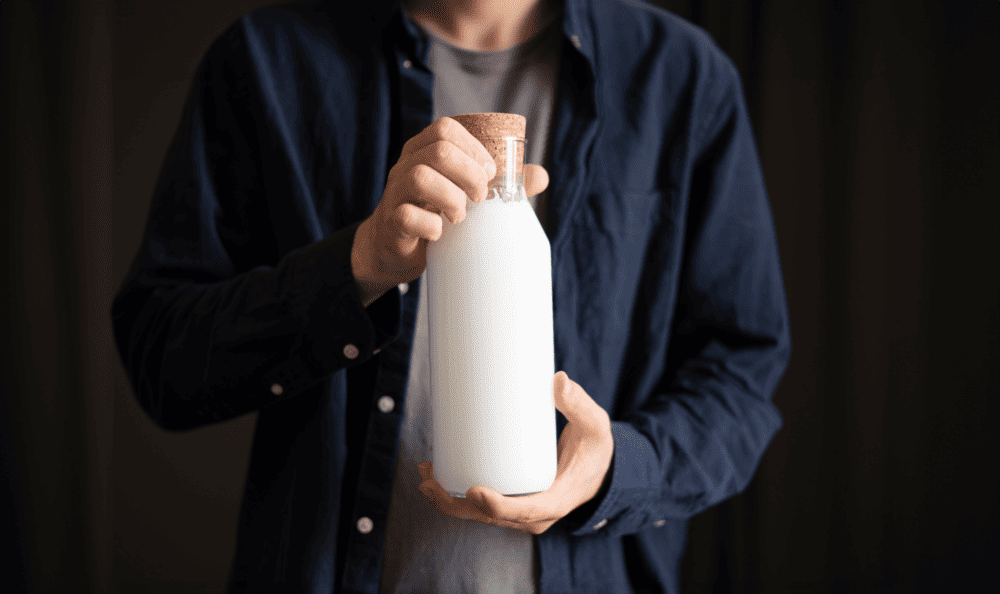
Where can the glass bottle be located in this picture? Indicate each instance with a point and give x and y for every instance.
(489, 290)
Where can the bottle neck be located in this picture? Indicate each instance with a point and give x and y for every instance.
(506, 188)
(508, 154)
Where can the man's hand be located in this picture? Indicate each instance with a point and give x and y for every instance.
(586, 450)
(438, 170)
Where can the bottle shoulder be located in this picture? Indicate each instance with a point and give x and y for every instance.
(493, 227)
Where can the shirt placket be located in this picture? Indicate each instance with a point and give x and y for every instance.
(371, 509)
(362, 570)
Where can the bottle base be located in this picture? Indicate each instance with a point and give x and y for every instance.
(462, 495)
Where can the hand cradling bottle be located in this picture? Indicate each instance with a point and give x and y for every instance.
(489, 291)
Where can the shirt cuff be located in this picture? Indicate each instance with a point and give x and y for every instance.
(337, 330)
(625, 502)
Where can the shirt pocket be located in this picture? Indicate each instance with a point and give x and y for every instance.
(625, 215)
(611, 236)
(599, 275)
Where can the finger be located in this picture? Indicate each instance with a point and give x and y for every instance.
(506, 519)
(447, 504)
(433, 489)
(457, 507)
(577, 406)
(536, 179)
(433, 192)
(525, 510)
(455, 165)
(455, 133)
(437, 494)
(426, 470)
(412, 221)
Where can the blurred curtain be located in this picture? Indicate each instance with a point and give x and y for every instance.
(55, 334)
(878, 132)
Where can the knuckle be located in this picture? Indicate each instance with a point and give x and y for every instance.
(421, 175)
(446, 126)
(443, 127)
(443, 151)
(405, 216)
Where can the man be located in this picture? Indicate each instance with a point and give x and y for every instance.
(281, 272)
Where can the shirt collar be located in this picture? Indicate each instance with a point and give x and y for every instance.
(576, 25)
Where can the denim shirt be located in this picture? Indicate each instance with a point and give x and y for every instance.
(669, 308)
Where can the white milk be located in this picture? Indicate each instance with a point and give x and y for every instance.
(489, 291)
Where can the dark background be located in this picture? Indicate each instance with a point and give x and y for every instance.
(878, 132)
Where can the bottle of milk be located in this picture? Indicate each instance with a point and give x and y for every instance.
(489, 295)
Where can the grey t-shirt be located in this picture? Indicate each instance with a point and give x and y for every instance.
(424, 550)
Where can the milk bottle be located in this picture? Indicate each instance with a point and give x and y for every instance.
(489, 292)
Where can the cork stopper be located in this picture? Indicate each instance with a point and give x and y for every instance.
(492, 129)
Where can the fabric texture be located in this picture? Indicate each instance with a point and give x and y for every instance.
(423, 549)
(669, 307)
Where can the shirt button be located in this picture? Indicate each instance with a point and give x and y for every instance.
(600, 524)
(365, 525)
(659, 523)
(276, 389)
(575, 40)
(403, 288)
(407, 64)
(351, 351)
(386, 404)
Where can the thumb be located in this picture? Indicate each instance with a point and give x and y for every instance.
(577, 406)
(536, 179)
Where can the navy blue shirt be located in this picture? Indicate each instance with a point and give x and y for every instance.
(668, 302)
